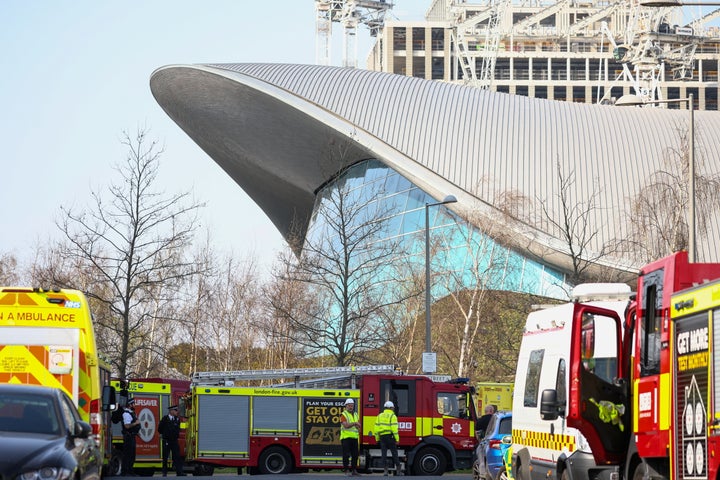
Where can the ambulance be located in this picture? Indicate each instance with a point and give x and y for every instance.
(47, 338)
(493, 393)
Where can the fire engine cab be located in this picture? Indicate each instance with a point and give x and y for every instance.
(295, 426)
(649, 412)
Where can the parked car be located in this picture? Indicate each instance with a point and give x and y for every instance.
(488, 463)
(42, 436)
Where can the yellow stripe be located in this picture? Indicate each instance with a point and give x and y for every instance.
(544, 440)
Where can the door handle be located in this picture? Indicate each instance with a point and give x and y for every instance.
(438, 427)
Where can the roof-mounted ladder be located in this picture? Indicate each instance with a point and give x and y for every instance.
(330, 374)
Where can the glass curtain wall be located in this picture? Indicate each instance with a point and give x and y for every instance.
(462, 256)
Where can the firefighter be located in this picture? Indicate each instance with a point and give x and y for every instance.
(130, 428)
(169, 428)
(350, 438)
(386, 432)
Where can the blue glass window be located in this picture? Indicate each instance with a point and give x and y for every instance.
(459, 249)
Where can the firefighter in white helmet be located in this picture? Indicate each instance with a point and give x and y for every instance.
(350, 437)
(386, 432)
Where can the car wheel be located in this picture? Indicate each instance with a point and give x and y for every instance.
(275, 460)
(476, 472)
(429, 461)
(502, 474)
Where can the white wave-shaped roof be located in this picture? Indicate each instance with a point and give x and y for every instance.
(281, 131)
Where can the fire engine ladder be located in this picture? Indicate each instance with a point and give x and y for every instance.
(320, 377)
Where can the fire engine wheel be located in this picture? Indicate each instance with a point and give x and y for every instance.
(114, 467)
(429, 461)
(204, 470)
(275, 460)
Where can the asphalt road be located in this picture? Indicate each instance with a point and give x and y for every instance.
(320, 475)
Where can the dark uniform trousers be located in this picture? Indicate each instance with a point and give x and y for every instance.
(170, 431)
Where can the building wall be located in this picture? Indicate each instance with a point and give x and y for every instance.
(570, 69)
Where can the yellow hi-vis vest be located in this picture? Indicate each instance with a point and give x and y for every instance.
(351, 432)
(386, 423)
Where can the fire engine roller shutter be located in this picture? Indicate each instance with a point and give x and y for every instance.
(275, 414)
(224, 424)
(716, 357)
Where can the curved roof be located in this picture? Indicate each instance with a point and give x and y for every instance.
(282, 131)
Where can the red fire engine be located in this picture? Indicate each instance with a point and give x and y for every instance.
(295, 427)
(152, 397)
(628, 422)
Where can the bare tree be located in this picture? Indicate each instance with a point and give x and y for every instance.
(573, 223)
(403, 324)
(469, 278)
(236, 301)
(345, 263)
(658, 222)
(286, 299)
(131, 243)
(8, 269)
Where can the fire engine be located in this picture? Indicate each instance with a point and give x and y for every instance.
(152, 397)
(622, 386)
(47, 338)
(696, 403)
(295, 426)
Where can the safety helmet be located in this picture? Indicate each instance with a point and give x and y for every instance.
(349, 401)
(389, 404)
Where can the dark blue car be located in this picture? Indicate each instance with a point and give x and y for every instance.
(42, 436)
(488, 455)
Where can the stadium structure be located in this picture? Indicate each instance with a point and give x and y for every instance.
(588, 51)
(276, 129)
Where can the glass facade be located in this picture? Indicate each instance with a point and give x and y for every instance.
(463, 256)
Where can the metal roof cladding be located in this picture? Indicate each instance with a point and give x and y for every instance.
(281, 131)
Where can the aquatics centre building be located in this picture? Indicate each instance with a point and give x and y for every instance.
(271, 128)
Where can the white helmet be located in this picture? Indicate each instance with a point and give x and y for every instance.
(349, 401)
(389, 404)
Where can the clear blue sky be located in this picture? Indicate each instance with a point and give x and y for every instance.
(75, 74)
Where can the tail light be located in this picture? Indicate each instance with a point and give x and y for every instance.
(494, 444)
(96, 420)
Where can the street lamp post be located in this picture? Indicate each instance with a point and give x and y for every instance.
(427, 354)
(628, 100)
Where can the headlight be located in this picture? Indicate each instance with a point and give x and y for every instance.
(582, 443)
(46, 473)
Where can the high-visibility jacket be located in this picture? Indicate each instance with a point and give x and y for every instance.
(351, 432)
(386, 423)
